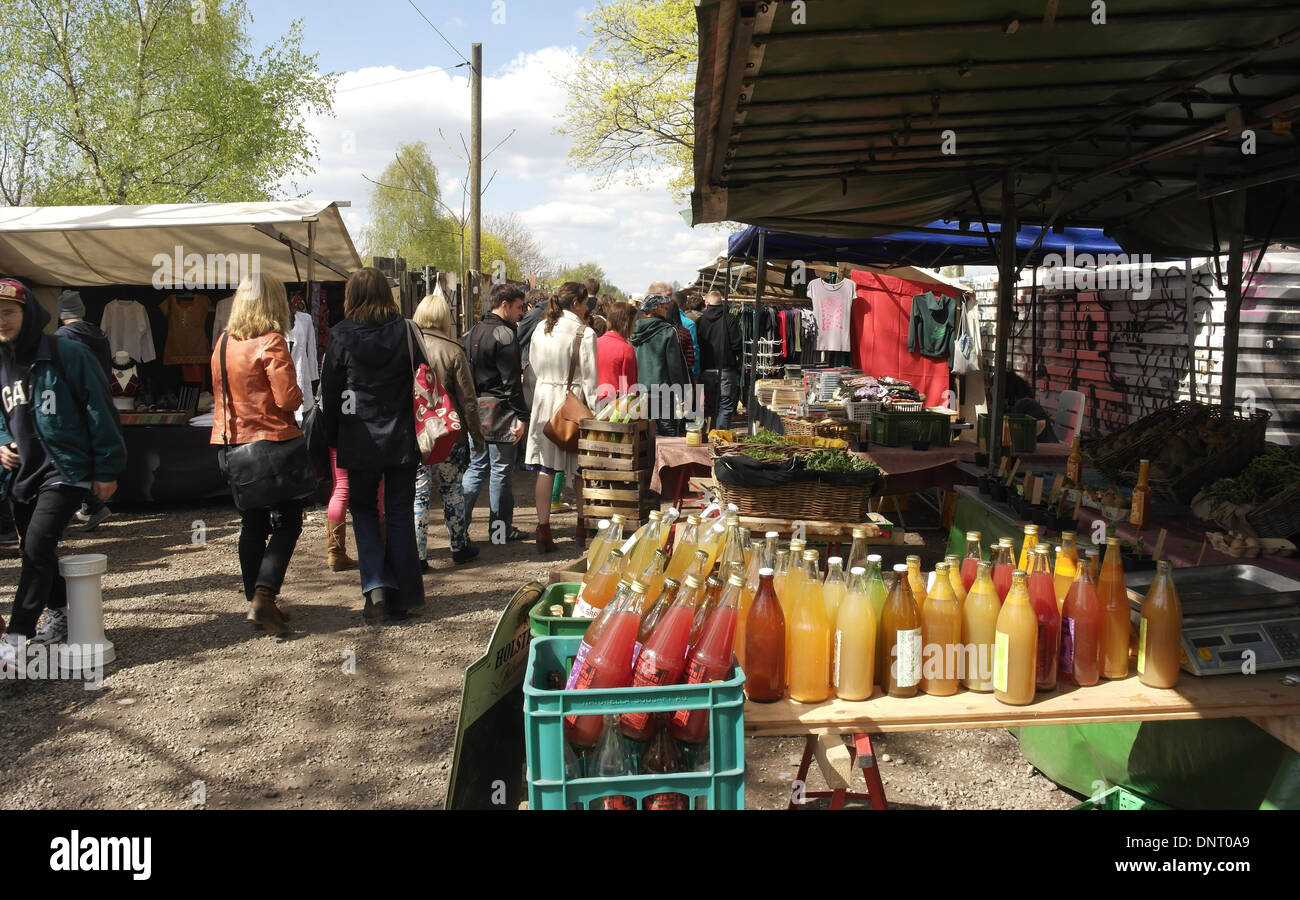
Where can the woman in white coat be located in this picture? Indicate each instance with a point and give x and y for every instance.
(550, 356)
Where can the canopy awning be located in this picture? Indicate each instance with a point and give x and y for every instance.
(740, 279)
(107, 245)
(856, 119)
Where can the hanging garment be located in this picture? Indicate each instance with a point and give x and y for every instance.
(932, 325)
(222, 317)
(881, 348)
(187, 344)
(302, 349)
(832, 305)
(966, 345)
(126, 325)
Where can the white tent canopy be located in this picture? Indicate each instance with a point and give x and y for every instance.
(107, 245)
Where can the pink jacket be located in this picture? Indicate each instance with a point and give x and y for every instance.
(615, 364)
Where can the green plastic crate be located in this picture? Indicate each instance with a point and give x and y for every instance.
(1119, 797)
(549, 787)
(1024, 432)
(900, 429)
(542, 624)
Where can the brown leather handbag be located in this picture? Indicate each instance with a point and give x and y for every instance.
(565, 424)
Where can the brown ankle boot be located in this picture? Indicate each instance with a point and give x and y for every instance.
(337, 543)
(544, 542)
(265, 614)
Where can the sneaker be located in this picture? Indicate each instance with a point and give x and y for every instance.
(8, 657)
(55, 628)
(516, 535)
(561, 507)
(97, 518)
(9, 538)
(460, 557)
(82, 515)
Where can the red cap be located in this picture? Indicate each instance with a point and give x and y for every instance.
(13, 290)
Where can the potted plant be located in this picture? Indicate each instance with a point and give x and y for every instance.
(985, 484)
(998, 490)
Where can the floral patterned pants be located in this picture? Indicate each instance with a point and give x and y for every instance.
(448, 476)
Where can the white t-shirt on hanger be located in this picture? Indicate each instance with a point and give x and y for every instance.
(833, 307)
(126, 325)
(302, 349)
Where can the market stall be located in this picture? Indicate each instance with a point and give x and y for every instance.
(158, 280)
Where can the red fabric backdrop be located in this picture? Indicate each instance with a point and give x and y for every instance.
(879, 333)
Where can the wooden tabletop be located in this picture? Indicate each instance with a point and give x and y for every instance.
(1261, 697)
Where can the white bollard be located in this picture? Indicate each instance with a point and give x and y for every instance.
(84, 576)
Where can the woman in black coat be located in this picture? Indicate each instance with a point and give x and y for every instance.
(366, 387)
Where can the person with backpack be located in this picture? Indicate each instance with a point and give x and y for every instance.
(60, 442)
(73, 324)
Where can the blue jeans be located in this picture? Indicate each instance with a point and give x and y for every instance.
(390, 561)
(501, 491)
(722, 405)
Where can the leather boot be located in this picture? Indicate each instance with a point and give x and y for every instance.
(265, 614)
(337, 542)
(374, 606)
(544, 542)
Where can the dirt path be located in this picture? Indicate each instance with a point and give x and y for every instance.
(198, 706)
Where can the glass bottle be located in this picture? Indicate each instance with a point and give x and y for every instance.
(916, 581)
(712, 591)
(713, 543)
(663, 659)
(809, 639)
(876, 590)
(765, 644)
(1042, 594)
(1094, 563)
(1016, 649)
(684, 549)
(699, 566)
(900, 639)
(1081, 632)
(648, 540)
(596, 556)
(653, 575)
(1074, 465)
(710, 660)
(1141, 504)
(654, 615)
(1029, 543)
(622, 596)
(747, 597)
(833, 588)
(1115, 629)
(1160, 634)
(805, 581)
(858, 552)
(954, 576)
(940, 636)
(596, 549)
(974, 556)
(1003, 566)
(663, 757)
(597, 592)
(608, 665)
(979, 630)
(612, 759)
(1067, 565)
(855, 640)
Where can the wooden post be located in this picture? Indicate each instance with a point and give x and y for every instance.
(1006, 290)
(1232, 311)
(476, 159)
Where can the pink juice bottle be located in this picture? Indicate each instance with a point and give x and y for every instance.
(710, 660)
(608, 665)
(663, 658)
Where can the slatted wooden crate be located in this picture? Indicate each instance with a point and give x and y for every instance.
(632, 446)
(610, 492)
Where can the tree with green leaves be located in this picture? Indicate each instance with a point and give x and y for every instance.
(150, 101)
(580, 273)
(631, 96)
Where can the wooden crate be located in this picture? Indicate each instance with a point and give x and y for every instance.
(633, 450)
(606, 492)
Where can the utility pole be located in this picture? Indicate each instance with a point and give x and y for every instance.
(476, 162)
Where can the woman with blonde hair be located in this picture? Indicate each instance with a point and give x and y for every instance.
(366, 387)
(263, 393)
(551, 357)
(449, 363)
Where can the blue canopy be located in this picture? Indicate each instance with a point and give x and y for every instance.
(937, 244)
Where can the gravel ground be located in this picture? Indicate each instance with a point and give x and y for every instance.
(200, 707)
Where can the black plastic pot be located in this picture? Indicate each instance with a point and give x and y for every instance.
(984, 484)
(998, 491)
(982, 460)
(920, 445)
(1064, 523)
(1135, 563)
(1041, 516)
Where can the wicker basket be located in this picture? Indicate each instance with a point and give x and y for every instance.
(1245, 445)
(787, 450)
(827, 428)
(1279, 516)
(1113, 455)
(805, 500)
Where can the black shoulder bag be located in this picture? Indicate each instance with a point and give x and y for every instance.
(262, 473)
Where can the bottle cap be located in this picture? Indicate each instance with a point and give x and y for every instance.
(973, 535)
(765, 572)
(638, 587)
(771, 534)
(736, 580)
(857, 570)
(1031, 529)
(602, 524)
(984, 565)
(940, 567)
(835, 561)
(914, 559)
(1112, 542)
(859, 532)
(1006, 542)
(671, 583)
(1043, 548)
(692, 519)
(810, 554)
(570, 598)
(655, 515)
(616, 552)
(900, 568)
(616, 519)
(704, 553)
(874, 557)
(1019, 573)
(1068, 534)
(692, 582)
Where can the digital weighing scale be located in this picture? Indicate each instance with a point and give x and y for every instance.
(1229, 613)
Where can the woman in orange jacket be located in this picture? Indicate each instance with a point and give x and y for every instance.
(264, 395)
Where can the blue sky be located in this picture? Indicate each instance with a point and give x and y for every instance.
(381, 48)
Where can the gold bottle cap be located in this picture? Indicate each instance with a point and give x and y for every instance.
(714, 579)
(655, 515)
(672, 582)
(692, 519)
(973, 536)
(736, 580)
(1031, 529)
(810, 554)
(570, 598)
(1006, 542)
(859, 531)
(638, 587)
(692, 582)
(699, 553)
(1040, 547)
(1112, 542)
(940, 567)
(914, 559)
(1068, 535)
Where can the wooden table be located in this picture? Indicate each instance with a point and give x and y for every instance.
(1262, 698)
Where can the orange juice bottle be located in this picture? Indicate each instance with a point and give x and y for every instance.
(647, 540)
(954, 577)
(1015, 658)
(600, 548)
(684, 549)
(653, 575)
(1160, 636)
(699, 566)
(712, 543)
(747, 595)
(940, 636)
(1081, 632)
(1067, 564)
(900, 640)
(1141, 505)
(780, 564)
(596, 549)
(810, 639)
(1030, 542)
(916, 581)
(803, 580)
(979, 629)
(875, 587)
(1115, 628)
(855, 641)
(600, 589)
(833, 588)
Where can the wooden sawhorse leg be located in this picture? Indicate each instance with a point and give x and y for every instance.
(861, 756)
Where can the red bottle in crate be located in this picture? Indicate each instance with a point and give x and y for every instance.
(663, 658)
(608, 665)
(597, 627)
(710, 660)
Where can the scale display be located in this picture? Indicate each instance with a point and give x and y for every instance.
(1232, 649)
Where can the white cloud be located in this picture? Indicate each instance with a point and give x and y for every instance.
(634, 232)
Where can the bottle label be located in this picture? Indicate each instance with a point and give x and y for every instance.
(578, 662)
(647, 674)
(666, 801)
(585, 678)
(584, 610)
(1067, 646)
(1135, 513)
(839, 642)
(637, 647)
(1001, 650)
(1142, 646)
(1046, 649)
(619, 801)
(908, 671)
(696, 673)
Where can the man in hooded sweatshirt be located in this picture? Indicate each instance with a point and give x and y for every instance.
(60, 442)
(720, 355)
(661, 367)
(73, 324)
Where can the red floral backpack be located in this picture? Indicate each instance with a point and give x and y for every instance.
(437, 424)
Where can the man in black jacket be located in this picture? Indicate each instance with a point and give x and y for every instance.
(493, 349)
(73, 324)
(720, 355)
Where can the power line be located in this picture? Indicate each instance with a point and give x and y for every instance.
(359, 87)
(435, 28)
